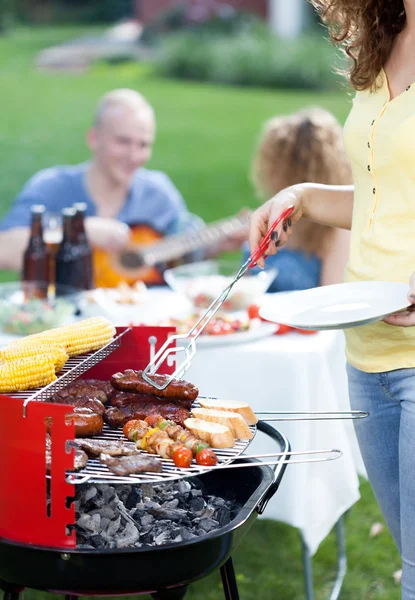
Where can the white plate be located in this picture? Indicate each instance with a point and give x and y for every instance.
(258, 330)
(337, 306)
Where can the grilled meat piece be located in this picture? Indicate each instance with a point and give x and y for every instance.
(82, 402)
(87, 423)
(129, 465)
(132, 381)
(80, 459)
(108, 447)
(85, 388)
(103, 386)
(122, 399)
(118, 416)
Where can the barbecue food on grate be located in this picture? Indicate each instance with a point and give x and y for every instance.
(77, 338)
(85, 388)
(217, 436)
(81, 402)
(233, 421)
(122, 399)
(169, 440)
(24, 350)
(108, 447)
(129, 465)
(241, 408)
(87, 423)
(118, 416)
(80, 458)
(177, 433)
(132, 381)
(26, 373)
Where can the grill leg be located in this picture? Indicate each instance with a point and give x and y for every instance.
(308, 571)
(341, 564)
(10, 592)
(173, 594)
(229, 580)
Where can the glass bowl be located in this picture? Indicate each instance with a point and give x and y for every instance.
(202, 282)
(22, 316)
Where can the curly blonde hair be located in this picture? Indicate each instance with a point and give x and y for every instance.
(306, 146)
(366, 29)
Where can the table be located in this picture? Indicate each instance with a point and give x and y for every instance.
(286, 372)
(294, 372)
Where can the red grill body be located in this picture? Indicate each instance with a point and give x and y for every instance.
(24, 514)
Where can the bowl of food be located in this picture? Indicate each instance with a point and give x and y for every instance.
(202, 282)
(23, 311)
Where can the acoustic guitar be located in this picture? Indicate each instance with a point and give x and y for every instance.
(149, 253)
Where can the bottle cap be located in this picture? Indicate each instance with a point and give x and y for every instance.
(37, 209)
(68, 212)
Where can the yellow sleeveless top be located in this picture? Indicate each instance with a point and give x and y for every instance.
(379, 136)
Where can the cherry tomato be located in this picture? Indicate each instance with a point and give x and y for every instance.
(129, 427)
(305, 331)
(206, 458)
(283, 329)
(152, 420)
(253, 311)
(182, 457)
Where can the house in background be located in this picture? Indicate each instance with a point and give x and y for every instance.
(286, 17)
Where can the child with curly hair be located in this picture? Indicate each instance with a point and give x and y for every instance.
(304, 146)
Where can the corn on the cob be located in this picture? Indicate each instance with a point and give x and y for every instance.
(23, 350)
(77, 338)
(26, 373)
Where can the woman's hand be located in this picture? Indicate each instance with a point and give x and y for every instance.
(262, 219)
(405, 318)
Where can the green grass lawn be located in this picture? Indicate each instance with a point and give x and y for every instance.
(205, 142)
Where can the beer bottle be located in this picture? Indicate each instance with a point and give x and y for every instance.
(36, 258)
(86, 274)
(67, 258)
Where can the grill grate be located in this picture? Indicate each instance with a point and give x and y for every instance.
(96, 472)
(74, 368)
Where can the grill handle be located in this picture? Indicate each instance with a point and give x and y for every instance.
(279, 470)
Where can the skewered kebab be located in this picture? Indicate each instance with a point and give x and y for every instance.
(168, 440)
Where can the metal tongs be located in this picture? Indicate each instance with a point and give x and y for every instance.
(189, 349)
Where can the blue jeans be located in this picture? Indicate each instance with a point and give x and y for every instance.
(387, 443)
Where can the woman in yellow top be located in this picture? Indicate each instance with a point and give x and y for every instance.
(379, 36)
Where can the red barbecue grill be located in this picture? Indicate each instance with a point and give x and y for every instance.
(38, 546)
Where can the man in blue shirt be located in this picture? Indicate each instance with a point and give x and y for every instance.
(118, 191)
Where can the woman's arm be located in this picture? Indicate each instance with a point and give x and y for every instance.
(335, 258)
(325, 204)
(329, 204)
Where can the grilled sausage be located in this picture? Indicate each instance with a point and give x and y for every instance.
(87, 423)
(122, 399)
(132, 381)
(118, 416)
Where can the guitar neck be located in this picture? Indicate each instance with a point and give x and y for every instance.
(176, 246)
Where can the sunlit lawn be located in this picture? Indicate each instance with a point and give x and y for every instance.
(205, 142)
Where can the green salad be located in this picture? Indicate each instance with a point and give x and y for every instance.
(34, 316)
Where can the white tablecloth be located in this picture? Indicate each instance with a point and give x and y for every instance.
(293, 372)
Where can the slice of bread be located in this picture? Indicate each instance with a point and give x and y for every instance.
(217, 436)
(241, 408)
(232, 420)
